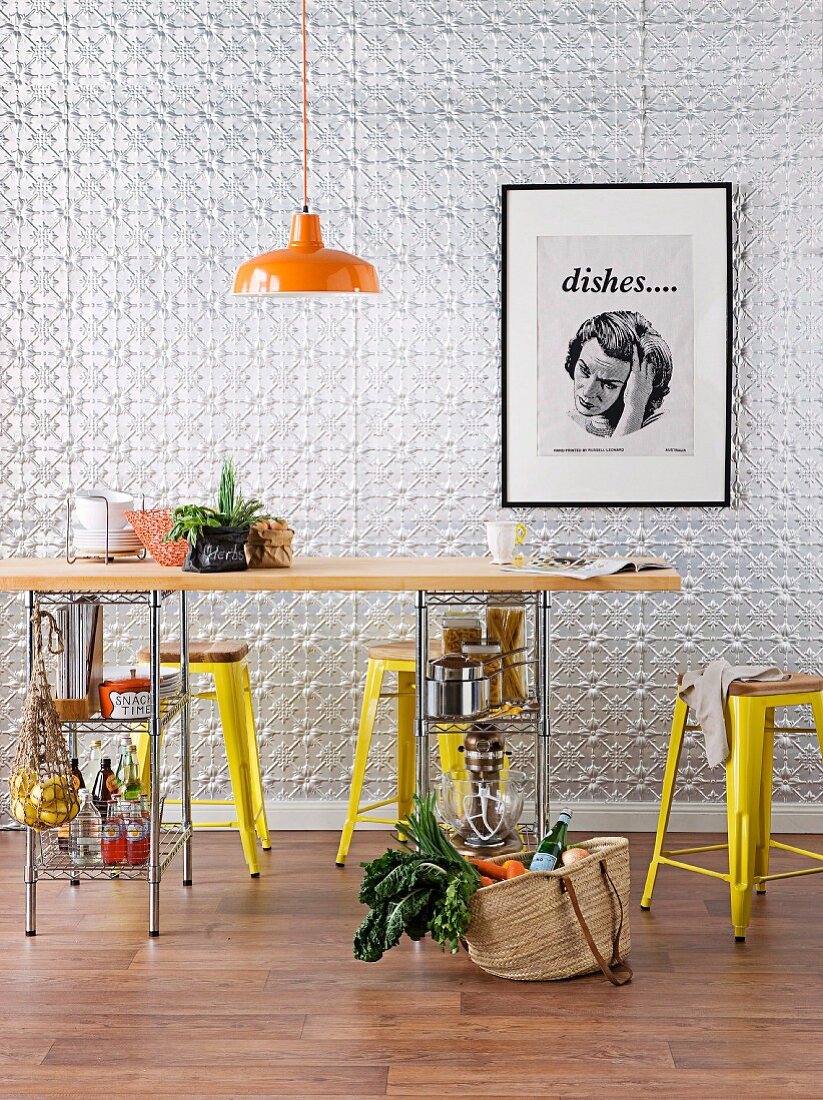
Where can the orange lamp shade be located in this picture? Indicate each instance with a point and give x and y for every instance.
(305, 266)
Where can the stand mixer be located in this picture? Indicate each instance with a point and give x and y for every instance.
(483, 803)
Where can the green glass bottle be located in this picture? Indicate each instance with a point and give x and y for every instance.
(551, 846)
(131, 788)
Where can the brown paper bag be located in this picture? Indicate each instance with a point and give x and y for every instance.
(268, 548)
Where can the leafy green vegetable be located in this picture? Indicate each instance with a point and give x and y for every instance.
(189, 521)
(421, 893)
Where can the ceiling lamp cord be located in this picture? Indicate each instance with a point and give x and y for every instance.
(305, 120)
(306, 265)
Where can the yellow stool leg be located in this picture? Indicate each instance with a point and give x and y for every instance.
(228, 685)
(405, 743)
(449, 746)
(743, 774)
(764, 817)
(258, 800)
(142, 739)
(817, 714)
(679, 720)
(368, 712)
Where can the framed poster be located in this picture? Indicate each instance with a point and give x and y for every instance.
(616, 344)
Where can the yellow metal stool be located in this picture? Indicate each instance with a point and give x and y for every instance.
(751, 728)
(225, 662)
(386, 657)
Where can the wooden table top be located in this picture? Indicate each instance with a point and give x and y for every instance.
(314, 574)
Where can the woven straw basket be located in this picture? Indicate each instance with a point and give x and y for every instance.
(557, 924)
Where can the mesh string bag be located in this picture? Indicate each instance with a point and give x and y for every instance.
(41, 787)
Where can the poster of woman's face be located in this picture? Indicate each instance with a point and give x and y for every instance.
(615, 332)
(616, 338)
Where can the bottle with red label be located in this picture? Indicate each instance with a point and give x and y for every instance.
(138, 830)
(113, 844)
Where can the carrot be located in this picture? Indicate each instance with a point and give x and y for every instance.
(513, 868)
(491, 870)
(486, 881)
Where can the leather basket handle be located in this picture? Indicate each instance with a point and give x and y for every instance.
(617, 971)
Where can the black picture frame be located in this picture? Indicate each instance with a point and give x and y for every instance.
(509, 501)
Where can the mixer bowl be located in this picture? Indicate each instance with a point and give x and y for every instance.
(483, 811)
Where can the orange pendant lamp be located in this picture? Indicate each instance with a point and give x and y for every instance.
(306, 266)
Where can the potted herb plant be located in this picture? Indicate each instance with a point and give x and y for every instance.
(217, 536)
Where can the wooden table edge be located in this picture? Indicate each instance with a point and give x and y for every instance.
(315, 574)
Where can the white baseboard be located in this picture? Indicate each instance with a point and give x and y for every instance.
(597, 817)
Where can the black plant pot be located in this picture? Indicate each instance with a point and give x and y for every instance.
(218, 550)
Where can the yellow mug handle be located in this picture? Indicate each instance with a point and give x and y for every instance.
(519, 534)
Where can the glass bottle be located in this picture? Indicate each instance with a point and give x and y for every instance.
(105, 787)
(113, 843)
(123, 759)
(130, 786)
(551, 846)
(84, 834)
(137, 833)
(79, 785)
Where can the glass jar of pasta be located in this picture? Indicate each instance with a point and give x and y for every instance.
(459, 629)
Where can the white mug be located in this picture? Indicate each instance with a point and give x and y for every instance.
(502, 538)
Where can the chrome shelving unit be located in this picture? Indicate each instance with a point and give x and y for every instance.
(44, 860)
(534, 721)
(51, 863)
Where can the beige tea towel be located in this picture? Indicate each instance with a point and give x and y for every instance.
(705, 694)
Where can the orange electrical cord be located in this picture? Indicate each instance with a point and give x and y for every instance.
(305, 265)
(305, 122)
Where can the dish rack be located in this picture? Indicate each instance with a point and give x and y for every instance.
(106, 555)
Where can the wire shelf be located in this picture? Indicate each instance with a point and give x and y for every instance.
(169, 710)
(128, 599)
(504, 723)
(53, 864)
(482, 599)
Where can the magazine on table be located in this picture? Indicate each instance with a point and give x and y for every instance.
(584, 567)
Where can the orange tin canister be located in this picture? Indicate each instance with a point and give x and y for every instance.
(126, 698)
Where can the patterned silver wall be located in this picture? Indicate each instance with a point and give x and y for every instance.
(148, 147)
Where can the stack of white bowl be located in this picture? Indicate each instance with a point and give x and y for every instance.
(93, 509)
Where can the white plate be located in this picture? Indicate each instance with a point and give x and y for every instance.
(126, 533)
(170, 678)
(100, 532)
(127, 542)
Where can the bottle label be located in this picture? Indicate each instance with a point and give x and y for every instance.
(112, 784)
(135, 830)
(543, 861)
(112, 830)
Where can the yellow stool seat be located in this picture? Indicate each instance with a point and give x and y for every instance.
(751, 729)
(398, 657)
(225, 662)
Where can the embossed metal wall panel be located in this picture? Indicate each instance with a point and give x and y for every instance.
(148, 147)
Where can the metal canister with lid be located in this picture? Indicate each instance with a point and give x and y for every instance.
(490, 655)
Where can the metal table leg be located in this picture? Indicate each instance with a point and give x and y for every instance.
(185, 731)
(544, 724)
(421, 728)
(30, 872)
(154, 764)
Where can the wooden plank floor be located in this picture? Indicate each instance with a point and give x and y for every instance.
(251, 991)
